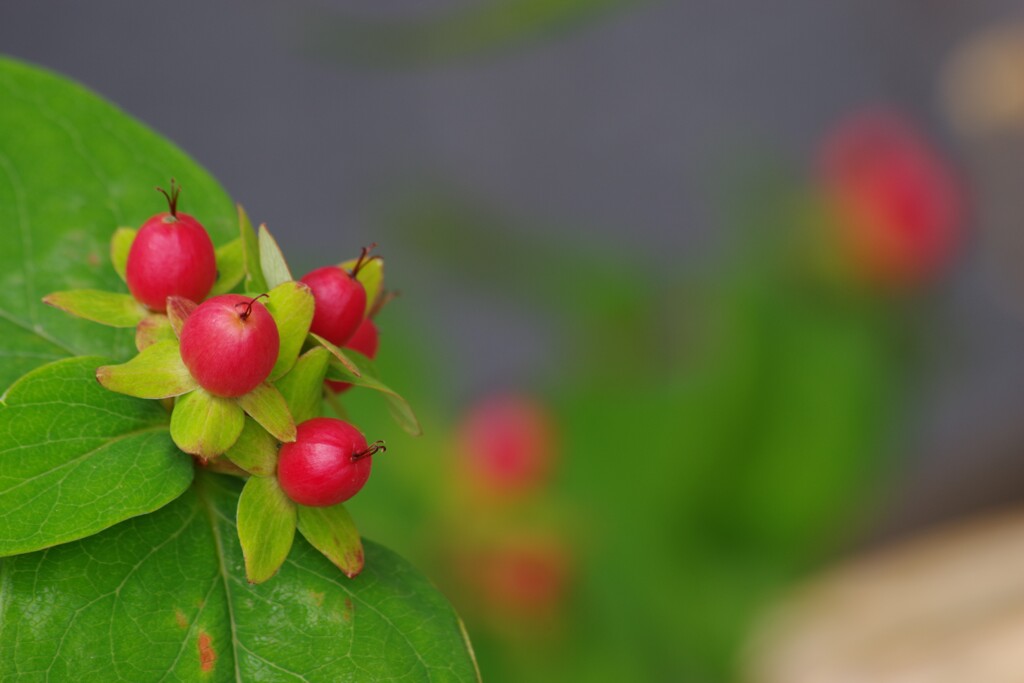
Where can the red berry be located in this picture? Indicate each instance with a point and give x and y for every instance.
(340, 303)
(365, 341)
(900, 204)
(172, 255)
(328, 463)
(507, 444)
(230, 344)
(525, 577)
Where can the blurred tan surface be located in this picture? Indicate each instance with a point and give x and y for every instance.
(947, 607)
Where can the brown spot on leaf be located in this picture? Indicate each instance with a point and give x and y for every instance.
(318, 598)
(207, 656)
(179, 618)
(349, 608)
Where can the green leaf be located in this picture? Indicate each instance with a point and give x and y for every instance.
(266, 527)
(303, 387)
(230, 267)
(105, 308)
(254, 280)
(206, 425)
(371, 275)
(157, 372)
(72, 169)
(272, 262)
(266, 405)
(165, 597)
(120, 245)
(368, 377)
(76, 458)
(154, 328)
(255, 451)
(291, 305)
(332, 531)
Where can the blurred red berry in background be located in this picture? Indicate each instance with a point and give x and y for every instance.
(506, 445)
(899, 204)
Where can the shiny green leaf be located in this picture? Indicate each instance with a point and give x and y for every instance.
(164, 596)
(76, 458)
(72, 169)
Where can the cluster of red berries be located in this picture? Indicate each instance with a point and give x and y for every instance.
(230, 344)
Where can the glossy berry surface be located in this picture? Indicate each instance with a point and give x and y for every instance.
(230, 344)
(172, 255)
(507, 444)
(327, 464)
(365, 341)
(340, 303)
(899, 204)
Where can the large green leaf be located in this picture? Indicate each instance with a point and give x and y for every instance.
(76, 458)
(73, 168)
(164, 597)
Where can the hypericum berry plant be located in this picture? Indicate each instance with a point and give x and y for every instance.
(141, 514)
(239, 371)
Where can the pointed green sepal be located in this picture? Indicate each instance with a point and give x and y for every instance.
(157, 372)
(254, 280)
(205, 425)
(255, 451)
(371, 275)
(332, 531)
(120, 245)
(272, 262)
(340, 356)
(266, 527)
(291, 305)
(400, 409)
(230, 267)
(106, 308)
(266, 405)
(155, 327)
(178, 310)
(303, 386)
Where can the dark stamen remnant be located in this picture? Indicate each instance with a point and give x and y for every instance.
(248, 306)
(172, 197)
(363, 260)
(376, 446)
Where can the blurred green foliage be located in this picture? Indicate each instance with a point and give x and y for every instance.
(723, 432)
(481, 28)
